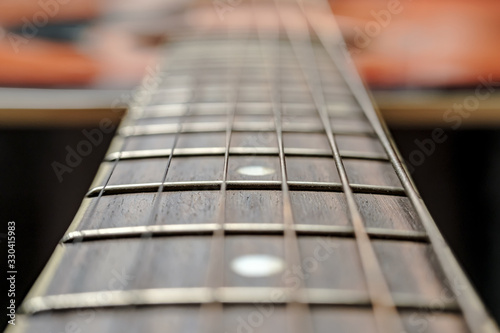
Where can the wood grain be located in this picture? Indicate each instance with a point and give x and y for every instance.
(135, 209)
(254, 207)
(326, 208)
(385, 211)
(206, 168)
(371, 173)
(408, 268)
(312, 169)
(132, 264)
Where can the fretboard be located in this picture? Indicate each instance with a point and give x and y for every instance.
(253, 187)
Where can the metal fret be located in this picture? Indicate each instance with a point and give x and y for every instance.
(239, 151)
(251, 108)
(242, 185)
(221, 127)
(386, 316)
(226, 295)
(237, 229)
(252, 64)
(340, 92)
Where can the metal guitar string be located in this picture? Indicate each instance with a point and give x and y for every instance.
(298, 314)
(385, 313)
(212, 313)
(474, 311)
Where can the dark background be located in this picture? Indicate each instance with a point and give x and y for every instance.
(459, 183)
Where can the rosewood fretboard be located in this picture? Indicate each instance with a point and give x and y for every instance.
(253, 188)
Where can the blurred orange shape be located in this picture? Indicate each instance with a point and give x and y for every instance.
(43, 63)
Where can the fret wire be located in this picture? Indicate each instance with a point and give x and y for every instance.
(385, 313)
(175, 109)
(475, 314)
(226, 295)
(220, 127)
(256, 65)
(298, 314)
(240, 151)
(239, 229)
(244, 185)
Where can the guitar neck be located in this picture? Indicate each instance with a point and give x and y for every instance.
(253, 187)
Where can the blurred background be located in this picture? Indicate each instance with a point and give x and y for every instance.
(432, 67)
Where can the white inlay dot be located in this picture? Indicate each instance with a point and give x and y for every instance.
(255, 170)
(257, 265)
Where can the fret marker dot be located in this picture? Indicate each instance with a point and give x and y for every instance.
(257, 265)
(255, 170)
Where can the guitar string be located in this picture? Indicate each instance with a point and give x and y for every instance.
(473, 309)
(385, 312)
(298, 317)
(212, 313)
